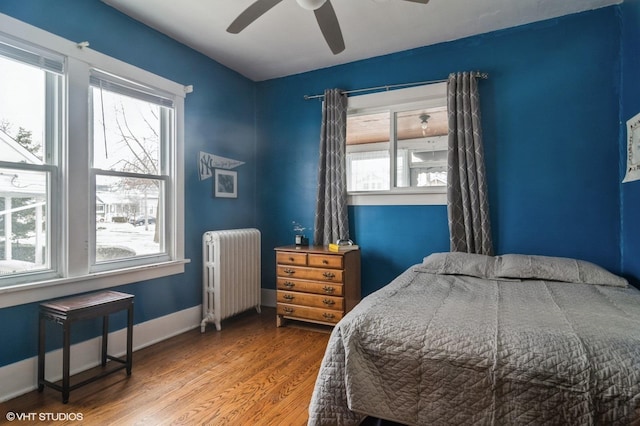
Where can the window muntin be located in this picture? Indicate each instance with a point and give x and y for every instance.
(30, 117)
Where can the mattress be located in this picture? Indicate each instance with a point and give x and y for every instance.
(487, 341)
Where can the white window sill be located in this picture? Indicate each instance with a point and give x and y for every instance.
(397, 198)
(19, 294)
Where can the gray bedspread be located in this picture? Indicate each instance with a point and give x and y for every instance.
(432, 349)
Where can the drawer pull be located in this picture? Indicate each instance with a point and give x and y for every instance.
(328, 316)
(291, 259)
(325, 262)
(288, 310)
(329, 275)
(289, 271)
(328, 302)
(288, 297)
(289, 284)
(328, 290)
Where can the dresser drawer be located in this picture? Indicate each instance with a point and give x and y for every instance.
(313, 300)
(319, 274)
(325, 261)
(292, 284)
(313, 314)
(291, 258)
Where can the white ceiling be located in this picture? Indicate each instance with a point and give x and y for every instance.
(286, 40)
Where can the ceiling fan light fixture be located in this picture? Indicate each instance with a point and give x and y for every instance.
(424, 118)
(311, 4)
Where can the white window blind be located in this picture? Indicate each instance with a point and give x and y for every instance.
(32, 55)
(130, 88)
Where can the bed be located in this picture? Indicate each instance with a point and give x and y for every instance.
(473, 339)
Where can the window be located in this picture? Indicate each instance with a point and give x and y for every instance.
(30, 88)
(131, 132)
(91, 169)
(397, 146)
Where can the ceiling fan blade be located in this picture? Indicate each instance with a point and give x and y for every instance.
(328, 22)
(419, 1)
(250, 14)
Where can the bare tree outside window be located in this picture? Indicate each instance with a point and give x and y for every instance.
(24, 209)
(129, 191)
(91, 166)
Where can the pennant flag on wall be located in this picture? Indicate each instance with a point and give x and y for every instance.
(208, 162)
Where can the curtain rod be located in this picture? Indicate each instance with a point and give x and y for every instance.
(478, 74)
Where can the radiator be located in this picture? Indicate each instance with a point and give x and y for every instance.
(231, 274)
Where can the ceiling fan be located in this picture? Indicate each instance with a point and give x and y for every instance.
(325, 15)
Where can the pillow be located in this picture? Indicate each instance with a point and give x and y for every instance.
(457, 263)
(554, 269)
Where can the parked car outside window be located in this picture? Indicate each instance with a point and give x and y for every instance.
(139, 220)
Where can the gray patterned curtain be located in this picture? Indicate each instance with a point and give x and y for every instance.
(468, 205)
(331, 221)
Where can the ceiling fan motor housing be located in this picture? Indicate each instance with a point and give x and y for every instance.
(311, 4)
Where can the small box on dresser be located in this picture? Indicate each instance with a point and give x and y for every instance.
(315, 284)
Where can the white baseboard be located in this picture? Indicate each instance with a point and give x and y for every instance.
(21, 377)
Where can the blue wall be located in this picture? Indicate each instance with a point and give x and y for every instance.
(550, 116)
(219, 119)
(630, 107)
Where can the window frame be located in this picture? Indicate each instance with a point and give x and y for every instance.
(74, 273)
(394, 101)
(53, 214)
(117, 85)
(52, 65)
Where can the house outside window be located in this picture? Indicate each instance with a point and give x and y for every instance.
(132, 131)
(30, 120)
(91, 169)
(396, 149)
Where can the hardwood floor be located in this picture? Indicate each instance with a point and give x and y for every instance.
(250, 373)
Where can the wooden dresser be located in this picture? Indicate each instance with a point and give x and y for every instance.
(315, 284)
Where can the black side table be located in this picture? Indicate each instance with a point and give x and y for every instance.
(65, 312)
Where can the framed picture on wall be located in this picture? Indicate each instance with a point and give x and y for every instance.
(226, 184)
(633, 149)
